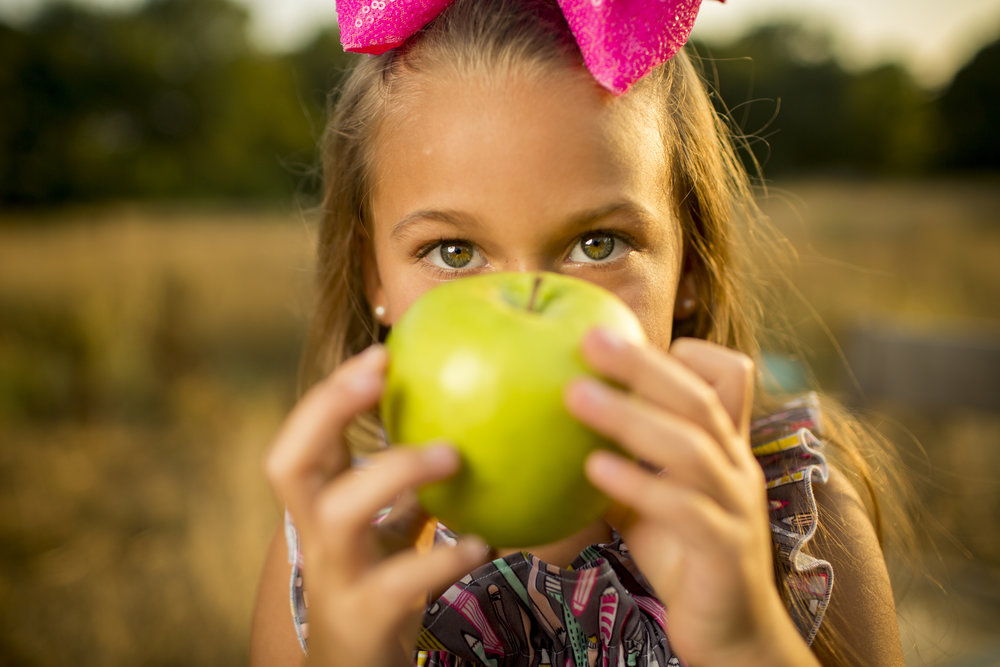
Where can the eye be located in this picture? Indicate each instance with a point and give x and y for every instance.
(598, 247)
(455, 255)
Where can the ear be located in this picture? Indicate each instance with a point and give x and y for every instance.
(373, 283)
(686, 302)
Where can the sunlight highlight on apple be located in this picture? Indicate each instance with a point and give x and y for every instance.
(466, 369)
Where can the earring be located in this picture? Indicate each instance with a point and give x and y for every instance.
(379, 312)
(685, 308)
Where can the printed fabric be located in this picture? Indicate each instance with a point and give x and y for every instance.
(519, 610)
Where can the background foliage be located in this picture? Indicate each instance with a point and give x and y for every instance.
(172, 100)
(168, 101)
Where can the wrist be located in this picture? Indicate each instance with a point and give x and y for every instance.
(779, 644)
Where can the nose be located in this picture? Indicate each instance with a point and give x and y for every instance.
(525, 263)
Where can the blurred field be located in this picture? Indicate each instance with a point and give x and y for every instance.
(147, 356)
(920, 257)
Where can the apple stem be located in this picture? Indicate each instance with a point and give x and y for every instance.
(534, 292)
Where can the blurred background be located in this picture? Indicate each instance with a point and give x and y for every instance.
(157, 179)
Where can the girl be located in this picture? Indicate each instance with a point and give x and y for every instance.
(482, 143)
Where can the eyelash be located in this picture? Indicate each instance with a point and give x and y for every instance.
(427, 249)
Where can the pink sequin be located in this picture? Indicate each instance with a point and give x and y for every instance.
(621, 40)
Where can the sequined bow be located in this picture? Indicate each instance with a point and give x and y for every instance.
(621, 40)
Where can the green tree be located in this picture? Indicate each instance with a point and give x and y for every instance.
(892, 122)
(801, 111)
(167, 101)
(970, 109)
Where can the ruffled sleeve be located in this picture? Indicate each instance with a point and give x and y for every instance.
(300, 611)
(790, 453)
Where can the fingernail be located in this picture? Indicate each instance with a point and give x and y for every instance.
(609, 339)
(474, 546)
(440, 455)
(366, 375)
(363, 382)
(372, 355)
(591, 392)
(604, 465)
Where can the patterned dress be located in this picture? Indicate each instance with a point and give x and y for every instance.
(601, 611)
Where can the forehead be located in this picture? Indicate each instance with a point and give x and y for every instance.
(543, 139)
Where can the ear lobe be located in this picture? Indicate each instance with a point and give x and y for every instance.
(686, 302)
(373, 283)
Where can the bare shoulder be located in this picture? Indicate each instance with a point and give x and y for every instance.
(862, 611)
(272, 637)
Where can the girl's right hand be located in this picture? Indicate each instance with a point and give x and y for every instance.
(366, 590)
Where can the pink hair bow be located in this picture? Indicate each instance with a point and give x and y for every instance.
(621, 40)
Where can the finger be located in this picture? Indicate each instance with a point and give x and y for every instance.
(660, 379)
(691, 515)
(729, 372)
(409, 576)
(346, 506)
(666, 442)
(310, 448)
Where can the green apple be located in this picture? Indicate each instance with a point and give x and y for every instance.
(482, 363)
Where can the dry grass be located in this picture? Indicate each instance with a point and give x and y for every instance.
(922, 254)
(924, 257)
(151, 357)
(148, 355)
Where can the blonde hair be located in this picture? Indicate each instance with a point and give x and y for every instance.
(721, 226)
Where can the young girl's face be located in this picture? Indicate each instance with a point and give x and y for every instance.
(523, 174)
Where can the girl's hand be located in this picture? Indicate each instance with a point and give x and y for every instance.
(366, 585)
(694, 510)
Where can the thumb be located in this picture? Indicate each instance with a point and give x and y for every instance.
(406, 525)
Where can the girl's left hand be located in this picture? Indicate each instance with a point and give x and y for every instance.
(695, 509)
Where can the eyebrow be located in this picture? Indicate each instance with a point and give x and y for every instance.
(580, 220)
(453, 218)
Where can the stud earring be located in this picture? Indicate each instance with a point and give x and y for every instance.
(379, 312)
(685, 308)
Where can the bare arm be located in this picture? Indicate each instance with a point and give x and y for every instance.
(272, 637)
(862, 611)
